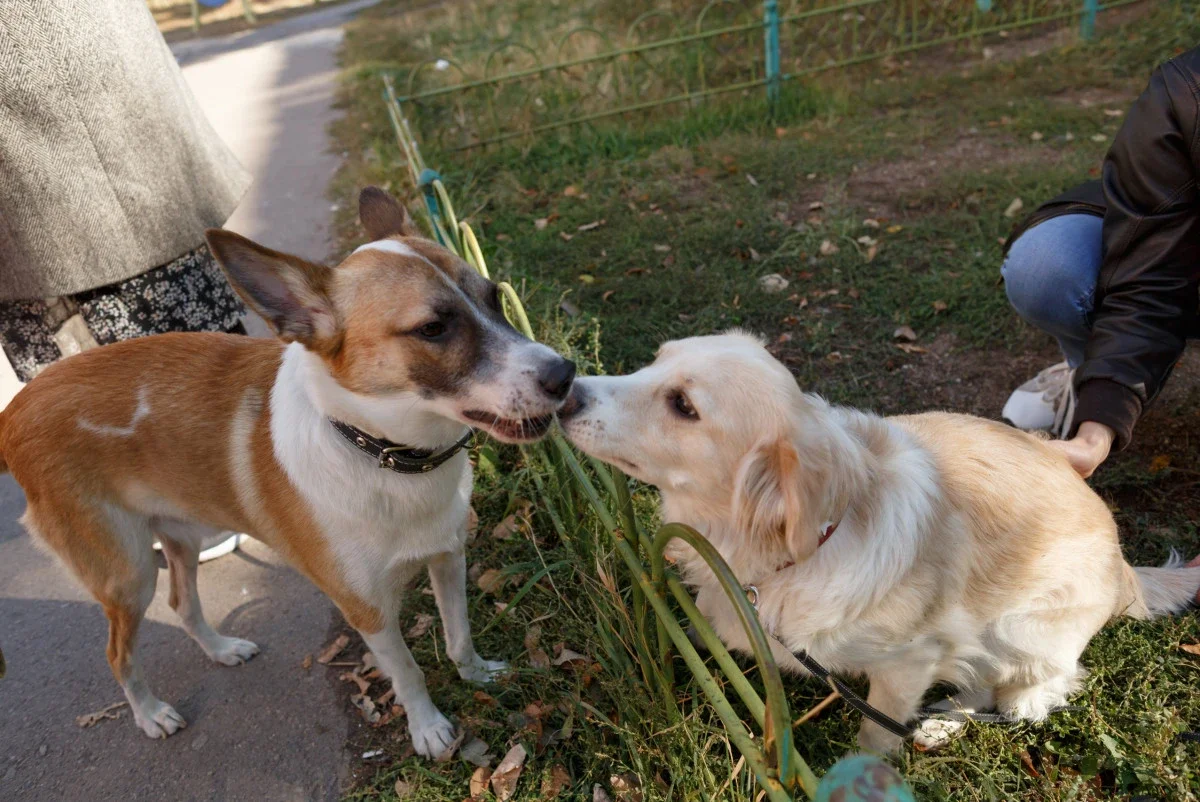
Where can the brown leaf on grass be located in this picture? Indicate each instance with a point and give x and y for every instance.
(92, 719)
(592, 226)
(1014, 208)
(627, 787)
(1027, 762)
(909, 348)
(362, 683)
(870, 222)
(905, 333)
(533, 637)
(479, 781)
(587, 278)
(565, 236)
(871, 253)
(538, 658)
(472, 522)
(599, 794)
(939, 306)
(1191, 648)
(504, 778)
(541, 223)
(555, 782)
(635, 271)
(1160, 463)
(485, 699)
(476, 752)
(306, 663)
(753, 181)
(607, 294)
(505, 529)
(333, 649)
(490, 580)
(780, 132)
(828, 248)
(571, 191)
(423, 623)
(662, 248)
(404, 789)
(854, 293)
(834, 357)
(566, 655)
(445, 756)
(894, 229)
(784, 338)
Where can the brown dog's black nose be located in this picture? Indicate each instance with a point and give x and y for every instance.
(556, 378)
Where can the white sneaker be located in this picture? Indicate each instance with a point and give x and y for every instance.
(216, 545)
(1046, 402)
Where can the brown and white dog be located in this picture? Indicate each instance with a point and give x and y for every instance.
(177, 436)
(912, 549)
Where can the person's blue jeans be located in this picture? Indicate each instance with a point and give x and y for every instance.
(1050, 277)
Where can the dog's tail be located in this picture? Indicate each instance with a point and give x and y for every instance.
(1153, 592)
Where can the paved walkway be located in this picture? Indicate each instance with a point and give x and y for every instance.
(269, 730)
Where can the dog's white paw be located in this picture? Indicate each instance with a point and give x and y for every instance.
(231, 651)
(432, 734)
(158, 719)
(935, 733)
(482, 671)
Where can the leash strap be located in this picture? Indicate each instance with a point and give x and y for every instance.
(398, 458)
(852, 698)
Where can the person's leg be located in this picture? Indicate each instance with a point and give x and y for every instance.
(1050, 277)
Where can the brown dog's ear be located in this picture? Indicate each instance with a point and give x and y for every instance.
(769, 498)
(288, 292)
(383, 216)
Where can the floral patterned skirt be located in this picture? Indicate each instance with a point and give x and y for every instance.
(188, 294)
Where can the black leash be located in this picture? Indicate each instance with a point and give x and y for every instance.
(395, 457)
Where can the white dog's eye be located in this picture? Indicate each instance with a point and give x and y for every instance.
(682, 406)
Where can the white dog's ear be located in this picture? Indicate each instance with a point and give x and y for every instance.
(769, 498)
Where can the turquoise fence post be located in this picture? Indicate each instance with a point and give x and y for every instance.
(771, 41)
(1087, 25)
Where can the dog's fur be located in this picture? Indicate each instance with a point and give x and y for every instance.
(181, 435)
(965, 551)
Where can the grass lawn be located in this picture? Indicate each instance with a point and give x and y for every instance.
(880, 197)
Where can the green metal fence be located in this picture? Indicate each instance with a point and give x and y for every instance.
(666, 58)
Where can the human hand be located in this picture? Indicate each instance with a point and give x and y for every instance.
(1088, 448)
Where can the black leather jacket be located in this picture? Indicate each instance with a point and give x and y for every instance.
(1148, 292)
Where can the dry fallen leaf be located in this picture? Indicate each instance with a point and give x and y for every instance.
(485, 698)
(894, 229)
(565, 236)
(870, 222)
(92, 719)
(472, 524)
(599, 794)
(404, 789)
(333, 649)
(505, 529)
(555, 782)
(363, 684)
(490, 580)
(1014, 207)
(753, 181)
(905, 333)
(909, 348)
(1098, 137)
(587, 278)
(423, 623)
(772, 283)
(871, 253)
(504, 778)
(1036, 136)
(479, 781)
(1113, 113)
(476, 752)
(939, 306)
(592, 226)
(635, 271)
(569, 656)
(816, 206)
(571, 191)
(1191, 648)
(541, 223)
(866, 240)
(366, 706)
(1027, 762)
(445, 756)
(538, 658)
(607, 294)
(1160, 463)
(306, 663)
(627, 787)
(662, 248)
(828, 248)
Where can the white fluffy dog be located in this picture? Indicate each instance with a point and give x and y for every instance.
(912, 549)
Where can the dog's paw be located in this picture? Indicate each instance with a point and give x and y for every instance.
(231, 651)
(432, 734)
(482, 671)
(158, 719)
(935, 733)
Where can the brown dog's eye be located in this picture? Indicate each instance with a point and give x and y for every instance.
(682, 406)
(432, 330)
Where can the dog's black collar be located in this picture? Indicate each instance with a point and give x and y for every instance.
(395, 457)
